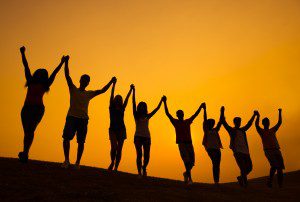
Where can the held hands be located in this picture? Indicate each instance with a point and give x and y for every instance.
(63, 59)
(132, 87)
(256, 113)
(280, 110)
(114, 80)
(67, 57)
(203, 105)
(222, 109)
(22, 49)
(164, 98)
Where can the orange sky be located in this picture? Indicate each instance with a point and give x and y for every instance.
(241, 54)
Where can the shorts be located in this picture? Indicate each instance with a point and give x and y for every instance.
(143, 141)
(187, 153)
(76, 126)
(117, 134)
(275, 158)
(31, 116)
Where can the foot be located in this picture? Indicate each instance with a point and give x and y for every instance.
(23, 158)
(190, 182)
(65, 164)
(116, 169)
(77, 166)
(240, 181)
(144, 172)
(185, 177)
(110, 167)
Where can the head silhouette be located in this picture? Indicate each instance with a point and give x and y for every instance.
(142, 109)
(237, 122)
(180, 114)
(84, 81)
(118, 102)
(40, 76)
(210, 123)
(266, 123)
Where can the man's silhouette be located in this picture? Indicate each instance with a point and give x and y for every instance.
(183, 138)
(239, 145)
(77, 118)
(271, 147)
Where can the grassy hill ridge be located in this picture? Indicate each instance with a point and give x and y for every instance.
(47, 181)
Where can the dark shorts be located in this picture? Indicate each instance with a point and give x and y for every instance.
(244, 162)
(142, 141)
(31, 116)
(275, 158)
(76, 126)
(187, 153)
(215, 156)
(118, 135)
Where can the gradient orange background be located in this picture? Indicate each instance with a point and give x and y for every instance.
(241, 54)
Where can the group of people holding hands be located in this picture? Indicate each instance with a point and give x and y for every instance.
(77, 118)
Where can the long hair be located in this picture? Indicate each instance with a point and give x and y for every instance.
(142, 110)
(117, 101)
(40, 76)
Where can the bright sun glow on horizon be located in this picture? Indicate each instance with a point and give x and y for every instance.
(241, 54)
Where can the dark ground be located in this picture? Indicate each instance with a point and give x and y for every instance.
(47, 181)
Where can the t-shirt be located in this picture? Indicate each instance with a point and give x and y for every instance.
(211, 139)
(240, 142)
(116, 119)
(79, 102)
(269, 138)
(35, 94)
(142, 127)
(183, 130)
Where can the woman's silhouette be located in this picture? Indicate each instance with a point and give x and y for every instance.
(117, 129)
(33, 110)
(142, 139)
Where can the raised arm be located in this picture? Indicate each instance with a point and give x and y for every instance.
(164, 99)
(249, 124)
(112, 94)
(67, 72)
(258, 128)
(133, 102)
(197, 112)
(105, 88)
(25, 63)
(53, 75)
(204, 118)
(223, 120)
(156, 109)
(276, 127)
(127, 97)
(219, 124)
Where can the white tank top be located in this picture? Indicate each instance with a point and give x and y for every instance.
(142, 127)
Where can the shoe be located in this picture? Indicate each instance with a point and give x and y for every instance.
(190, 182)
(185, 177)
(65, 164)
(240, 181)
(110, 167)
(23, 158)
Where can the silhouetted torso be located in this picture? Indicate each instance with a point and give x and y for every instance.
(142, 127)
(183, 130)
(116, 119)
(35, 94)
(211, 139)
(269, 138)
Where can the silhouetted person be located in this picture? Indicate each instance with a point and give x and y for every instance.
(271, 147)
(142, 139)
(184, 139)
(239, 145)
(117, 129)
(33, 110)
(77, 117)
(212, 143)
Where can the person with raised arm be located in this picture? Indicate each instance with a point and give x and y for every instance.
(184, 139)
(271, 148)
(117, 129)
(77, 117)
(239, 145)
(212, 143)
(33, 110)
(142, 138)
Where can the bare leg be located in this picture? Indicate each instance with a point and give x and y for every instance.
(138, 148)
(280, 177)
(119, 154)
(28, 139)
(79, 152)
(66, 146)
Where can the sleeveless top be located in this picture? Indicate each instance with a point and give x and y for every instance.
(116, 119)
(142, 127)
(35, 94)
